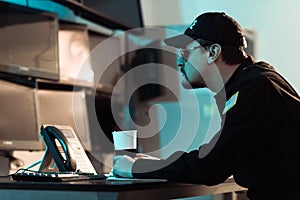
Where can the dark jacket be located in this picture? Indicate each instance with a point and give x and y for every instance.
(259, 142)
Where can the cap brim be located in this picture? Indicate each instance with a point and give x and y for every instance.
(178, 41)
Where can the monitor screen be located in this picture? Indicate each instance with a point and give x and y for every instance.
(64, 108)
(19, 129)
(74, 50)
(28, 42)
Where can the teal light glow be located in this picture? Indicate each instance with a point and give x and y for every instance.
(20, 2)
(63, 12)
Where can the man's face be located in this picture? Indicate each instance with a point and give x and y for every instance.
(192, 64)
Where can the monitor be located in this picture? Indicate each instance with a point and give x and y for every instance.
(74, 49)
(28, 42)
(19, 128)
(64, 107)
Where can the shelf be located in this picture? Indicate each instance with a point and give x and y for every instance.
(70, 85)
(93, 15)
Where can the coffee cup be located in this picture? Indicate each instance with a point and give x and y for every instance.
(125, 142)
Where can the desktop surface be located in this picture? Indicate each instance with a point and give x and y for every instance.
(109, 184)
(111, 188)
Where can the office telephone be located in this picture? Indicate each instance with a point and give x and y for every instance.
(64, 151)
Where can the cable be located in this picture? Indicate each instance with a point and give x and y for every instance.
(6, 176)
(33, 164)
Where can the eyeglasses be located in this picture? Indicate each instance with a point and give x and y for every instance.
(185, 53)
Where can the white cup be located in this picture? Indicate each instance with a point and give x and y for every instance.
(125, 140)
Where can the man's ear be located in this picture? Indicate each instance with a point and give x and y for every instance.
(213, 53)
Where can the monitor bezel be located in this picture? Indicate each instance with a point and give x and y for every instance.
(35, 142)
(26, 71)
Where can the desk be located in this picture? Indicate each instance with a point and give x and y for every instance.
(103, 189)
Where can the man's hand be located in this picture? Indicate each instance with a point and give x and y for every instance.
(122, 166)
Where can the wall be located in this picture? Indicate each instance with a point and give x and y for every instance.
(154, 12)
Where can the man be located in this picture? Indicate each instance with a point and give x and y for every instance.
(259, 142)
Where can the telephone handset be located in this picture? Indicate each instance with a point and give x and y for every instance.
(51, 135)
(64, 147)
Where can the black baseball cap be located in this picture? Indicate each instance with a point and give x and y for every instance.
(212, 26)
